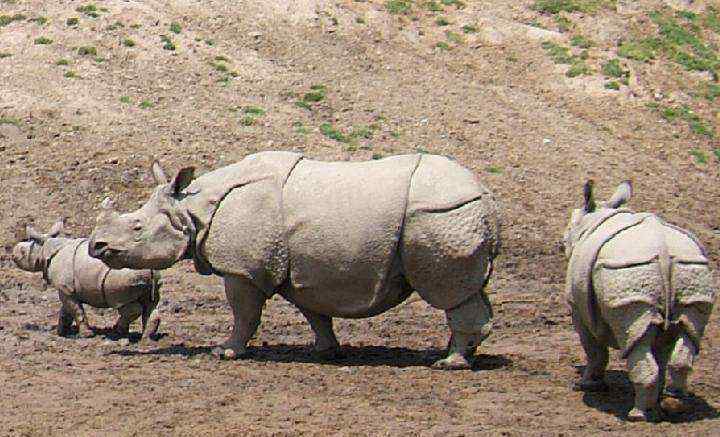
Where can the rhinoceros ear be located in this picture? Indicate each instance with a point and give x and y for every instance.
(622, 194)
(181, 180)
(159, 174)
(588, 196)
(57, 228)
(34, 235)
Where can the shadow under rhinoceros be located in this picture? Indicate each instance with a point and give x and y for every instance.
(618, 399)
(348, 356)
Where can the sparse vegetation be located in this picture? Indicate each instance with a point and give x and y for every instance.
(581, 41)
(563, 23)
(442, 21)
(638, 50)
(300, 128)
(469, 28)
(221, 58)
(128, 42)
(247, 120)
(711, 91)
(167, 43)
(72, 21)
(115, 26)
(175, 28)
(9, 120)
(699, 155)
(443, 45)
(87, 51)
(146, 104)
(254, 110)
(7, 19)
(398, 6)
(70, 74)
(125, 99)
(316, 94)
(559, 54)
(434, 6)
(612, 68)
(329, 131)
(612, 85)
(578, 68)
(4, 55)
(557, 6)
(43, 41)
(219, 66)
(454, 37)
(493, 169)
(697, 124)
(41, 21)
(62, 62)
(90, 10)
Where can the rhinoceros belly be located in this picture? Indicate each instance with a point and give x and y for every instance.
(343, 222)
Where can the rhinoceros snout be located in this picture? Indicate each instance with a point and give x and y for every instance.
(97, 249)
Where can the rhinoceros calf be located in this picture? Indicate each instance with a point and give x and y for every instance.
(80, 279)
(337, 239)
(641, 285)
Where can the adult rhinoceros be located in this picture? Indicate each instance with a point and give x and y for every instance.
(337, 239)
(641, 285)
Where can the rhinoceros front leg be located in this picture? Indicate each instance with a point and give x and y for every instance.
(326, 344)
(246, 302)
(597, 358)
(65, 318)
(644, 373)
(468, 326)
(74, 309)
(150, 317)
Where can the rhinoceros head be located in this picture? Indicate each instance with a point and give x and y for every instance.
(581, 217)
(155, 236)
(28, 254)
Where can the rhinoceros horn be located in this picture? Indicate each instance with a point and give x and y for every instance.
(34, 235)
(57, 228)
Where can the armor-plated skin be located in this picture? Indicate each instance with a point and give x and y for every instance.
(641, 285)
(337, 239)
(80, 279)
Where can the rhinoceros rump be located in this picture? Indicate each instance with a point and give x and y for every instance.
(338, 239)
(641, 285)
(80, 279)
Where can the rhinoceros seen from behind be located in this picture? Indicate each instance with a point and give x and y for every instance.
(80, 279)
(337, 239)
(641, 285)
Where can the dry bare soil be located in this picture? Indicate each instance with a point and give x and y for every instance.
(534, 96)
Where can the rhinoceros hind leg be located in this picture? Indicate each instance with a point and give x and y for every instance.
(246, 302)
(680, 366)
(597, 359)
(468, 324)
(128, 313)
(150, 318)
(326, 344)
(644, 373)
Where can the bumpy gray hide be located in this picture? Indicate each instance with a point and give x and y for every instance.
(347, 239)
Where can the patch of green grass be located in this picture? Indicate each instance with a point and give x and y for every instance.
(612, 68)
(433, 6)
(128, 42)
(454, 37)
(146, 104)
(87, 51)
(175, 28)
(4, 55)
(99, 59)
(559, 54)
(643, 50)
(700, 156)
(359, 20)
(443, 45)
(581, 41)
(716, 152)
(557, 6)
(304, 105)
(493, 169)
(395, 134)
(711, 20)
(316, 94)
(135, 26)
(712, 91)
(167, 43)
(72, 21)
(457, 3)
(358, 132)
(377, 155)
(125, 99)
(300, 128)
(334, 134)
(115, 26)
(442, 21)
(398, 6)
(62, 62)
(90, 10)
(9, 120)
(612, 85)
(71, 74)
(221, 58)
(254, 110)
(247, 120)
(43, 40)
(7, 19)
(563, 23)
(219, 66)
(469, 28)
(39, 20)
(578, 68)
(697, 125)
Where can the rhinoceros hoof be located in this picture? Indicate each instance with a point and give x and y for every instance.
(591, 386)
(638, 415)
(226, 353)
(454, 362)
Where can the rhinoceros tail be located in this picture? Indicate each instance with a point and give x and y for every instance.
(665, 264)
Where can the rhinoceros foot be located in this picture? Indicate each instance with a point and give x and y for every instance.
(229, 352)
(675, 404)
(596, 385)
(454, 362)
(638, 415)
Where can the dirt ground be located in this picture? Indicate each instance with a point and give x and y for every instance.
(83, 115)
